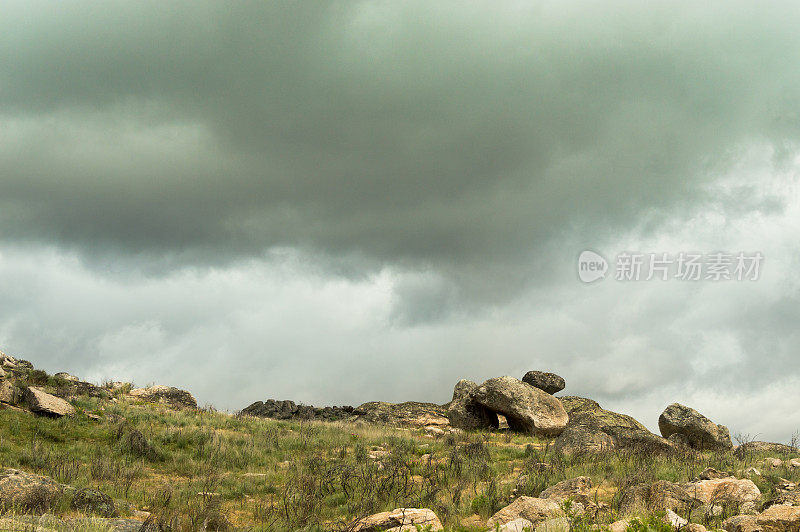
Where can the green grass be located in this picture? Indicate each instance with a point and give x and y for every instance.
(274, 475)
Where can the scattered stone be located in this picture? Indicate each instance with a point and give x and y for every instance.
(2, 373)
(794, 463)
(27, 492)
(547, 382)
(741, 523)
(533, 509)
(399, 520)
(527, 409)
(780, 518)
(700, 431)
(712, 474)
(752, 472)
(173, 397)
(464, 413)
(63, 375)
(43, 403)
(592, 429)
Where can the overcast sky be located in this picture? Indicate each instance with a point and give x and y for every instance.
(352, 201)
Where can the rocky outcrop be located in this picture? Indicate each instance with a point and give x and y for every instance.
(408, 414)
(290, 410)
(547, 382)
(526, 409)
(399, 520)
(465, 413)
(699, 431)
(780, 518)
(43, 403)
(592, 429)
(533, 509)
(168, 395)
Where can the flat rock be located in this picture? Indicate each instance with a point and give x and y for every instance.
(699, 431)
(526, 409)
(547, 382)
(43, 403)
(408, 414)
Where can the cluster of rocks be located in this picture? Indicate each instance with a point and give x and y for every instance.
(408, 414)
(707, 496)
(578, 425)
(52, 399)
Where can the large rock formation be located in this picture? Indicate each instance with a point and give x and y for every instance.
(43, 403)
(547, 382)
(172, 397)
(592, 429)
(697, 430)
(465, 413)
(527, 409)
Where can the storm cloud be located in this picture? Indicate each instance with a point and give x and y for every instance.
(347, 201)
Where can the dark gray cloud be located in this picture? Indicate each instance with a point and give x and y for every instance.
(344, 201)
(461, 138)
